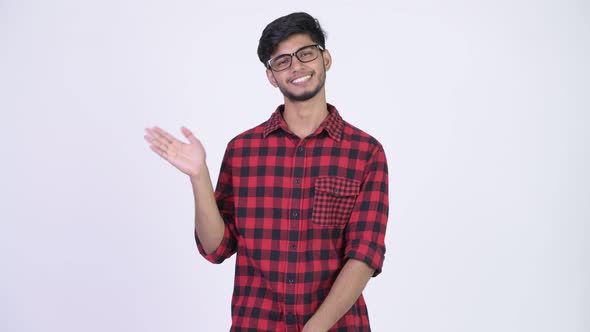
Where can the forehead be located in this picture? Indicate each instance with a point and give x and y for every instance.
(292, 44)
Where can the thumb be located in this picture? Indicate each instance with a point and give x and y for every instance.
(189, 135)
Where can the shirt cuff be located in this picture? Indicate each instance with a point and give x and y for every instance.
(367, 252)
(222, 252)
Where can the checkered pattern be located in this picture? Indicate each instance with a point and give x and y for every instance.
(295, 210)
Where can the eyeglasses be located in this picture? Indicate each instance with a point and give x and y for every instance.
(304, 54)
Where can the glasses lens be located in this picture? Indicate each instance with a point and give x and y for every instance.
(308, 53)
(281, 62)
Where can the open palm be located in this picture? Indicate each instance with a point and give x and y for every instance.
(188, 158)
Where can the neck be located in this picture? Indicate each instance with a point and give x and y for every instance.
(304, 117)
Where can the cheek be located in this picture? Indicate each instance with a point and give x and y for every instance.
(279, 79)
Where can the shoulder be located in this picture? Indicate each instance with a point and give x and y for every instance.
(358, 137)
(259, 132)
(366, 148)
(247, 137)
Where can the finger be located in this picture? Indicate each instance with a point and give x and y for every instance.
(159, 151)
(156, 142)
(165, 135)
(156, 136)
(152, 135)
(189, 135)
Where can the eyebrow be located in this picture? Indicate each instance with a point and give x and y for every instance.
(296, 50)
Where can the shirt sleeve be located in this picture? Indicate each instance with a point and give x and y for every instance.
(225, 202)
(365, 233)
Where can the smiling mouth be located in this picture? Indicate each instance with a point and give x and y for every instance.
(301, 79)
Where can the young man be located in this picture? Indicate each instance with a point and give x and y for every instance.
(302, 198)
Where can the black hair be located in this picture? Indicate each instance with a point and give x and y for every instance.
(283, 27)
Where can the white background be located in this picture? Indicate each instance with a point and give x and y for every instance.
(482, 107)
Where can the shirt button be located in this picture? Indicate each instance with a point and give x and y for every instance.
(300, 150)
(297, 181)
(290, 318)
(295, 214)
(336, 191)
(291, 281)
(293, 246)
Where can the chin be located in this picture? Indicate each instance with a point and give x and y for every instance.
(305, 96)
(302, 97)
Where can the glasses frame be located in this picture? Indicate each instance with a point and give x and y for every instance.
(294, 54)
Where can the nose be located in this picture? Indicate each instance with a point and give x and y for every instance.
(296, 64)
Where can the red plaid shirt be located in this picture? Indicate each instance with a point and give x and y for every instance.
(295, 210)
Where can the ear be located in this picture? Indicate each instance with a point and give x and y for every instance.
(271, 78)
(327, 59)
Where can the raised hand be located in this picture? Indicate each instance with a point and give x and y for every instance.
(188, 158)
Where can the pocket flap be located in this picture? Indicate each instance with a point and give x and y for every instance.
(337, 186)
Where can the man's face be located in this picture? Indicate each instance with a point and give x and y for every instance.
(301, 81)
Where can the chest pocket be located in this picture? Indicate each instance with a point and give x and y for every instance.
(334, 199)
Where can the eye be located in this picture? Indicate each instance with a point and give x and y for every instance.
(281, 61)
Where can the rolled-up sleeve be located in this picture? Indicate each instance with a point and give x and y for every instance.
(365, 233)
(225, 202)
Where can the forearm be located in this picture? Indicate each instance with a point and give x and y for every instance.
(209, 224)
(346, 290)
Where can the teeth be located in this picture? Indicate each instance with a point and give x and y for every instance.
(301, 79)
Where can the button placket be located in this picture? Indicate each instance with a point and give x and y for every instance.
(295, 215)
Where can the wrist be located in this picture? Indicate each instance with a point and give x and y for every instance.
(313, 326)
(199, 173)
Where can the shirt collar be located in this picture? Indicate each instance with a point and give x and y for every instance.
(332, 124)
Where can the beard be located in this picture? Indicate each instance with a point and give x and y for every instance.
(305, 95)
